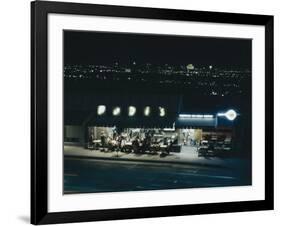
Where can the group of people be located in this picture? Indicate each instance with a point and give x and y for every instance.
(137, 143)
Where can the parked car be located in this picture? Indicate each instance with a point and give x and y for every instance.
(206, 149)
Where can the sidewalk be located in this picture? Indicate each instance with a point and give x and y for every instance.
(188, 155)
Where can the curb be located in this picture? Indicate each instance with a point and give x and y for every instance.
(147, 161)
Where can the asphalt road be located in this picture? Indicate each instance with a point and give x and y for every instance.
(88, 175)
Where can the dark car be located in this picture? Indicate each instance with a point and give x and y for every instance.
(206, 149)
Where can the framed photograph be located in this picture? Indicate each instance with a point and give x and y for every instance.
(145, 112)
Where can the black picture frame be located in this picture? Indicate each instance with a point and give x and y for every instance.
(39, 112)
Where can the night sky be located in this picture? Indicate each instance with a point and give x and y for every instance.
(107, 48)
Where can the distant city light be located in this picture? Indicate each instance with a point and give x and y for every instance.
(147, 111)
(162, 111)
(101, 110)
(230, 114)
(190, 67)
(132, 110)
(224, 77)
(116, 111)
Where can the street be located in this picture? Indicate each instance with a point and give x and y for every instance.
(90, 175)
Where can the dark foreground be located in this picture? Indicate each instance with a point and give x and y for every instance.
(88, 175)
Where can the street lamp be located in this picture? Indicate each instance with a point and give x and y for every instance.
(230, 114)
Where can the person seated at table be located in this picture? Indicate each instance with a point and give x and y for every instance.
(113, 144)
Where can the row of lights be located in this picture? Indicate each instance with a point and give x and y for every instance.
(195, 116)
(230, 115)
(116, 111)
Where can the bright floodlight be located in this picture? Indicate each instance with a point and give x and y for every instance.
(147, 111)
(132, 110)
(101, 109)
(162, 111)
(116, 111)
(231, 115)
